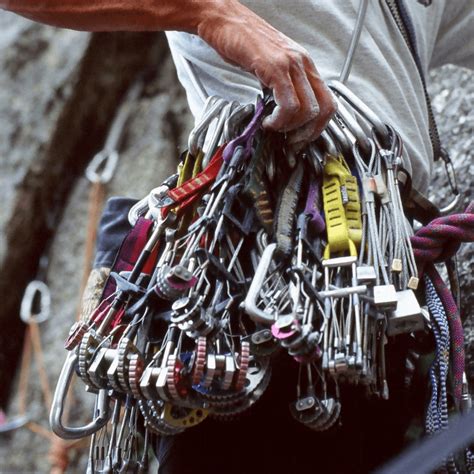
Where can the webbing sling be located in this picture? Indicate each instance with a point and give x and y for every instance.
(182, 196)
(129, 253)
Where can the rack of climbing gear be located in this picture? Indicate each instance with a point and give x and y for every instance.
(251, 249)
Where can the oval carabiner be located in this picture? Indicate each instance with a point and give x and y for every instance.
(451, 206)
(349, 123)
(250, 303)
(37, 295)
(363, 109)
(101, 409)
(102, 167)
(14, 423)
(211, 111)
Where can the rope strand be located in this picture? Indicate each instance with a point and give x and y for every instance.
(437, 242)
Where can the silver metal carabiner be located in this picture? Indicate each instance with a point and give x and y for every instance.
(214, 133)
(101, 410)
(451, 206)
(36, 295)
(212, 110)
(349, 122)
(102, 167)
(453, 184)
(236, 118)
(340, 139)
(14, 424)
(250, 303)
(366, 112)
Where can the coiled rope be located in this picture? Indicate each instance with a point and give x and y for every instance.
(441, 238)
(438, 242)
(437, 415)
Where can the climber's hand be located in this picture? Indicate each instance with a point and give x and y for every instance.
(304, 102)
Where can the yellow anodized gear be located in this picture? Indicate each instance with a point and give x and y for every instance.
(341, 207)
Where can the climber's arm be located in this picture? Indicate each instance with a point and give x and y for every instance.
(304, 103)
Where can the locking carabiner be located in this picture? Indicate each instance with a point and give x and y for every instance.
(101, 410)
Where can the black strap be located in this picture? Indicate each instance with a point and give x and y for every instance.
(426, 456)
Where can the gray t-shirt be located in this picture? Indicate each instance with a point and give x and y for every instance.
(384, 73)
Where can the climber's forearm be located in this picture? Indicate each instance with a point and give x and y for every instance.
(120, 15)
(304, 104)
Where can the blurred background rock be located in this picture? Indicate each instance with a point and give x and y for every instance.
(59, 92)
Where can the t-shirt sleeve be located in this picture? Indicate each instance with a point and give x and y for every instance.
(455, 40)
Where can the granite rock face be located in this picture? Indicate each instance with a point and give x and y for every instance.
(37, 67)
(452, 91)
(59, 91)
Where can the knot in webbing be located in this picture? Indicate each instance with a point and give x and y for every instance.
(441, 238)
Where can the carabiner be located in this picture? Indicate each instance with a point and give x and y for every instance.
(212, 110)
(237, 117)
(102, 167)
(250, 303)
(452, 180)
(342, 143)
(14, 423)
(213, 135)
(451, 206)
(36, 295)
(349, 123)
(366, 112)
(101, 410)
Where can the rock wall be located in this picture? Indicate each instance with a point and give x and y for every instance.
(59, 91)
(452, 91)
